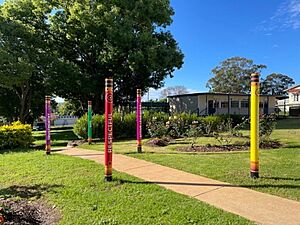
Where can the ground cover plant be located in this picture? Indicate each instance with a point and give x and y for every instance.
(76, 188)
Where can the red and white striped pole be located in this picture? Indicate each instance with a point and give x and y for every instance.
(108, 133)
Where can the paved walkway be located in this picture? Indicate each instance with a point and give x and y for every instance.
(256, 206)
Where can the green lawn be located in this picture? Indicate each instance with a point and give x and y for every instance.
(59, 137)
(279, 169)
(77, 188)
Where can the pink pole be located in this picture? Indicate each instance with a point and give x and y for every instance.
(139, 120)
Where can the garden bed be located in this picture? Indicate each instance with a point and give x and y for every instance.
(229, 148)
(22, 212)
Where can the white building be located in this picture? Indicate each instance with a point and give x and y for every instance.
(293, 102)
(219, 103)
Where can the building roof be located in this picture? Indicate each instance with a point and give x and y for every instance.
(213, 93)
(293, 87)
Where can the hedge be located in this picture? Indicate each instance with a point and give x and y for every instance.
(125, 126)
(16, 135)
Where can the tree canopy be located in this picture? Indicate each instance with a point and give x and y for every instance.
(276, 84)
(23, 55)
(175, 90)
(122, 39)
(68, 48)
(233, 75)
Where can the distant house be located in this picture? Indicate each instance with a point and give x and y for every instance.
(219, 103)
(293, 103)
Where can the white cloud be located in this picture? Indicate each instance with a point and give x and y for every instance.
(287, 16)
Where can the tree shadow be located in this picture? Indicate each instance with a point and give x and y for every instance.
(281, 178)
(28, 192)
(16, 150)
(213, 185)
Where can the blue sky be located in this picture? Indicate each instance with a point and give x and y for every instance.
(209, 31)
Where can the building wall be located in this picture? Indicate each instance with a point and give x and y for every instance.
(294, 101)
(65, 120)
(183, 104)
(218, 104)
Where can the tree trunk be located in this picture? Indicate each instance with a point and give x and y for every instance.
(24, 96)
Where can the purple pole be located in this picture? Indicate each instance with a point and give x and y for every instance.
(47, 124)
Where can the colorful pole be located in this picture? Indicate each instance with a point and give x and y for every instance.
(90, 122)
(108, 128)
(254, 126)
(47, 125)
(139, 120)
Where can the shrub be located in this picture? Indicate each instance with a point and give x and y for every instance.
(157, 129)
(17, 135)
(154, 124)
(267, 124)
(81, 130)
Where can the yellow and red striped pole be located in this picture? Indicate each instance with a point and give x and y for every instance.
(254, 126)
(47, 125)
(139, 120)
(108, 133)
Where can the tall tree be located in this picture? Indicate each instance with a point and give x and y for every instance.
(23, 58)
(276, 84)
(233, 75)
(176, 90)
(123, 39)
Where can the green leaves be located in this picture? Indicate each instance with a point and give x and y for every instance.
(233, 75)
(276, 84)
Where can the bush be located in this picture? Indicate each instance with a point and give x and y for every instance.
(154, 124)
(81, 130)
(267, 124)
(17, 135)
(123, 127)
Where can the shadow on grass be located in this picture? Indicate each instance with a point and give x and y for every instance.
(58, 135)
(214, 185)
(281, 178)
(288, 123)
(23, 150)
(28, 192)
(174, 152)
(292, 146)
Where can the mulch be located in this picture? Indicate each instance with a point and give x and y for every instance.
(229, 148)
(22, 212)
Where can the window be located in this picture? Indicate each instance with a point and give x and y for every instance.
(296, 97)
(234, 104)
(261, 105)
(224, 104)
(244, 104)
(216, 104)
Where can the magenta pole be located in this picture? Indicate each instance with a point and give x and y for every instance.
(47, 124)
(139, 120)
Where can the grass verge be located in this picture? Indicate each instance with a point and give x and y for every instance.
(77, 188)
(279, 169)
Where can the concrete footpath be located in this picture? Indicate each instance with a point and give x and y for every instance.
(255, 206)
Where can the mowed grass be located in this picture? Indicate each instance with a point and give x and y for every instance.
(59, 137)
(76, 187)
(279, 168)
